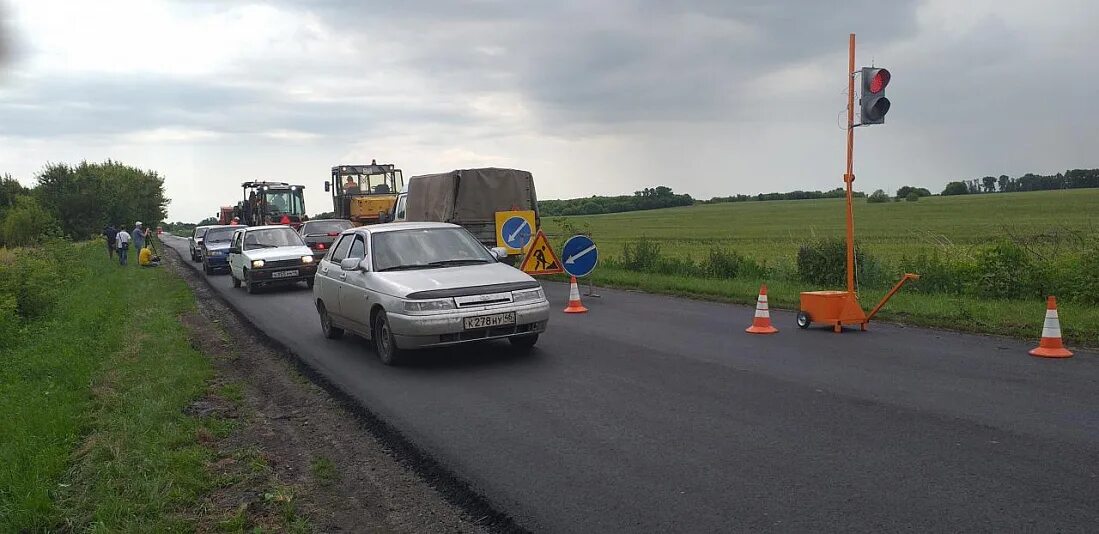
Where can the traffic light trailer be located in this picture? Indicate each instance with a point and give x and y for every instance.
(837, 308)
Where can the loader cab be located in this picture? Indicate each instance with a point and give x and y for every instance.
(365, 194)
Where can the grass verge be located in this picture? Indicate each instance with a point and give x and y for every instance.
(1016, 318)
(94, 434)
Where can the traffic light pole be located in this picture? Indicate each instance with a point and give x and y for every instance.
(849, 176)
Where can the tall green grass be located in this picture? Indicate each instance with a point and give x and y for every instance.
(93, 436)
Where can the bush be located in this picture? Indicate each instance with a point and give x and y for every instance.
(950, 273)
(1078, 277)
(641, 255)
(723, 263)
(26, 224)
(9, 321)
(32, 279)
(912, 196)
(877, 197)
(1005, 271)
(825, 263)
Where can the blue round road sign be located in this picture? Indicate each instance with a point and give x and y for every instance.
(516, 232)
(579, 255)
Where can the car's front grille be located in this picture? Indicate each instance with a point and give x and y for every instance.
(274, 264)
(482, 300)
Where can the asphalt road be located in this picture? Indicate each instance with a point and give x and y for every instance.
(658, 414)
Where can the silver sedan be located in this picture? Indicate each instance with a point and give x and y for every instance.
(415, 285)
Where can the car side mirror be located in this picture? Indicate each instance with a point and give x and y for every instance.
(327, 186)
(499, 253)
(354, 264)
(234, 250)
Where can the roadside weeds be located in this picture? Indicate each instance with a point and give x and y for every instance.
(296, 459)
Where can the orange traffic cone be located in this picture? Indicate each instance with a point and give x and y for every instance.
(1050, 346)
(574, 299)
(762, 323)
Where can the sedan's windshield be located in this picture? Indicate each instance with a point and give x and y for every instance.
(426, 248)
(325, 227)
(271, 238)
(219, 235)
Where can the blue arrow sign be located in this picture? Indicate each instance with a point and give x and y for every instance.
(579, 255)
(516, 232)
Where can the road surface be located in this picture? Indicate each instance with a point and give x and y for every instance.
(658, 414)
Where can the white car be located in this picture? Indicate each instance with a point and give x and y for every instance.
(415, 285)
(260, 255)
(195, 242)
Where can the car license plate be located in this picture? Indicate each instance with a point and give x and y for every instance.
(284, 274)
(489, 321)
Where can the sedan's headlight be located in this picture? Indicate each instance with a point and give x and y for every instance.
(428, 305)
(257, 264)
(527, 295)
(216, 253)
(307, 259)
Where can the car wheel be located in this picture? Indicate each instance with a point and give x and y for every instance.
(524, 342)
(236, 283)
(206, 268)
(384, 342)
(249, 286)
(330, 332)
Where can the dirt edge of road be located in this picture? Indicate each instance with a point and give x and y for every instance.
(345, 467)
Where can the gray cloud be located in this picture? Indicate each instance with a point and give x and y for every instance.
(617, 87)
(610, 62)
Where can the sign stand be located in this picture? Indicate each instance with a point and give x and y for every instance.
(591, 290)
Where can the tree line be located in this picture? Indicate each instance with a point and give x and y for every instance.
(646, 199)
(78, 201)
(838, 192)
(1071, 179)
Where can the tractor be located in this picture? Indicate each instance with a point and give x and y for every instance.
(271, 203)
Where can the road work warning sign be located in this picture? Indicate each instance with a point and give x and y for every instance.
(540, 258)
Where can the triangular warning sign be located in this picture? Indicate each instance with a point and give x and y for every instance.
(540, 258)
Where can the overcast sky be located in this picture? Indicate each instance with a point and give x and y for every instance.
(594, 97)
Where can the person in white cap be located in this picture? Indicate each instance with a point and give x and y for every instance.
(139, 234)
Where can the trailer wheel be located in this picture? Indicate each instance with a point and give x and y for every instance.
(804, 320)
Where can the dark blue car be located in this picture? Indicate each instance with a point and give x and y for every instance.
(215, 248)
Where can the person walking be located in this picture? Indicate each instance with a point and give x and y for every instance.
(110, 232)
(139, 234)
(123, 240)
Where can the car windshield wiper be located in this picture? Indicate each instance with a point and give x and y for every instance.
(407, 267)
(457, 262)
(261, 245)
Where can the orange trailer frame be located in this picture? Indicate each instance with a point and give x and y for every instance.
(838, 308)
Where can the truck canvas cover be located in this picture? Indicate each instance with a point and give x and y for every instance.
(469, 196)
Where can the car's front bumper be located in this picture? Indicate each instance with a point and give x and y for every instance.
(215, 261)
(306, 271)
(421, 331)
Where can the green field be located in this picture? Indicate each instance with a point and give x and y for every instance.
(1047, 222)
(771, 231)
